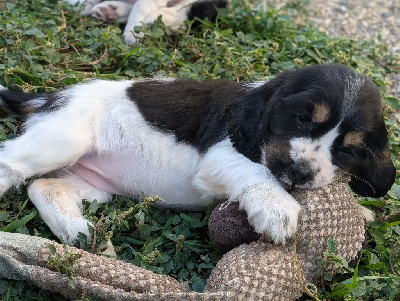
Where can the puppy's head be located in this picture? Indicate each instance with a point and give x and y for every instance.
(322, 120)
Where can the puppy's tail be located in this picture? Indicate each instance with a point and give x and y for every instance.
(20, 104)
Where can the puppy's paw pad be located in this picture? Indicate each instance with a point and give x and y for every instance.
(104, 12)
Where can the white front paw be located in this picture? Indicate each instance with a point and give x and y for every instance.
(272, 213)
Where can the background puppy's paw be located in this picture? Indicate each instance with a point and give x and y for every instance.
(130, 37)
(109, 11)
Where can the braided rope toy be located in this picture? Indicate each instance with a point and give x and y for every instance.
(257, 270)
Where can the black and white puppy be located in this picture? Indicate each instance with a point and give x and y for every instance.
(192, 142)
(136, 12)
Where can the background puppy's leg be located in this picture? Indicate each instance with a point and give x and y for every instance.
(172, 17)
(144, 11)
(59, 201)
(139, 11)
(89, 4)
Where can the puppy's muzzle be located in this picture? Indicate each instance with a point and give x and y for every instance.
(299, 173)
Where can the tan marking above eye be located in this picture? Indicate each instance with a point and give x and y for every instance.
(321, 113)
(353, 138)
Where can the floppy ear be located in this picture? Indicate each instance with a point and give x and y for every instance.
(248, 122)
(376, 178)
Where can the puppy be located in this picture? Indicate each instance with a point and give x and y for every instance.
(194, 142)
(136, 12)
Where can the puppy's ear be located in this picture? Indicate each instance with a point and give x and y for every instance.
(248, 121)
(376, 178)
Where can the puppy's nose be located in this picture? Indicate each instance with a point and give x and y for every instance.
(299, 173)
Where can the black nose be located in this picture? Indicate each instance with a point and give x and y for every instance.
(299, 173)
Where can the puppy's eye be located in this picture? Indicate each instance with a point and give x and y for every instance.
(305, 119)
(346, 153)
(354, 152)
(361, 153)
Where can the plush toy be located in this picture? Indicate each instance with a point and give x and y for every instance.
(255, 271)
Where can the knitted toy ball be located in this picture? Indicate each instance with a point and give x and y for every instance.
(266, 271)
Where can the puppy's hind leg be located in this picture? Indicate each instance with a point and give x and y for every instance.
(50, 142)
(59, 201)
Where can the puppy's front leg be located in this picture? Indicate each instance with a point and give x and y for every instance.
(270, 209)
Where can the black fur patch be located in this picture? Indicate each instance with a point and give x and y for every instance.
(16, 103)
(54, 101)
(205, 10)
(195, 112)
(22, 104)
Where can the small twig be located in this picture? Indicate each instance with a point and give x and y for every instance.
(96, 228)
(76, 50)
(390, 216)
(64, 20)
(105, 53)
(391, 255)
(300, 274)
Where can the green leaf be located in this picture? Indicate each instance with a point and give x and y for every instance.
(12, 227)
(52, 248)
(4, 215)
(331, 245)
(93, 207)
(35, 32)
(344, 287)
(388, 225)
(393, 102)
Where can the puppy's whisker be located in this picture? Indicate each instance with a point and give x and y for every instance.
(368, 149)
(358, 178)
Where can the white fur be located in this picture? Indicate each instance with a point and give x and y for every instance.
(100, 135)
(317, 152)
(368, 214)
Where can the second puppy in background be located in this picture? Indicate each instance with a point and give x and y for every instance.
(138, 12)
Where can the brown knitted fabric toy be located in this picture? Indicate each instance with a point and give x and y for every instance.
(263, 270)
(255, 271)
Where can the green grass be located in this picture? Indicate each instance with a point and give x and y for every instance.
(45, 45)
